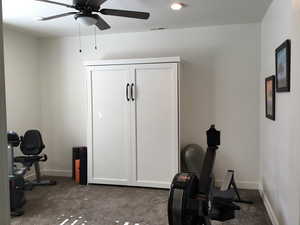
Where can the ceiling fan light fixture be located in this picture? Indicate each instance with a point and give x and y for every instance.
(86, 20)
(177, 6)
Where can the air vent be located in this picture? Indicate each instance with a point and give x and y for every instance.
(158, 28)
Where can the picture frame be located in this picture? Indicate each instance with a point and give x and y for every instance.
(283, 67)
(270, 97)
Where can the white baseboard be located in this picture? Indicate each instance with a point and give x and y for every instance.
(242, 184)
(269, 208)
(68, 173)
(57, 173)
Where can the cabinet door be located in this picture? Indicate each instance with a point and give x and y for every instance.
(111, 157)
(156, 109)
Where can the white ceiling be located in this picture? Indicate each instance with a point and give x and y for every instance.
(22, 14)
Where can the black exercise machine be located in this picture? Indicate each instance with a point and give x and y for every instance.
(31, 146)
(194, 200)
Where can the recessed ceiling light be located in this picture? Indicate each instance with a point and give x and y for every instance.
(176, 6)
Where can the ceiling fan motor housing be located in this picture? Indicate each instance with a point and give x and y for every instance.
(83, 6)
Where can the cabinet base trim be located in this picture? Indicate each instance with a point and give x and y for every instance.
(146, 184)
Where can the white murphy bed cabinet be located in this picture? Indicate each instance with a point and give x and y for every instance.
(133, 121)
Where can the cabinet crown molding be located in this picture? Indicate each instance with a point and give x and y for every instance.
(175, 59)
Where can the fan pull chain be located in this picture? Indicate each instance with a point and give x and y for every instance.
(79, 38)
(95, 35)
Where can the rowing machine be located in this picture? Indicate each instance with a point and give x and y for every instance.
(193, 199)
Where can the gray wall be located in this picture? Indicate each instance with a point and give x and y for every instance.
(279, 140)
(22, 81)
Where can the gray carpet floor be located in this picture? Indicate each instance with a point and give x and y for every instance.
(70, 204)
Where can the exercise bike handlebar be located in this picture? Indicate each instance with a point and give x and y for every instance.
(44, 159)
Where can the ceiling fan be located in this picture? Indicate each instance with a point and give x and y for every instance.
(87, 12)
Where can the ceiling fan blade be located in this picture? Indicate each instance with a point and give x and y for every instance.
(56, 3)
(57, 16)
(95, 4)
(101, 23)
(125, 13)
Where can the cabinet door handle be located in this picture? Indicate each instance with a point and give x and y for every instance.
(132, 93)
(127, 97)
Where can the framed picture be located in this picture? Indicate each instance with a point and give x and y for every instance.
(270, 97)
(283, 67)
